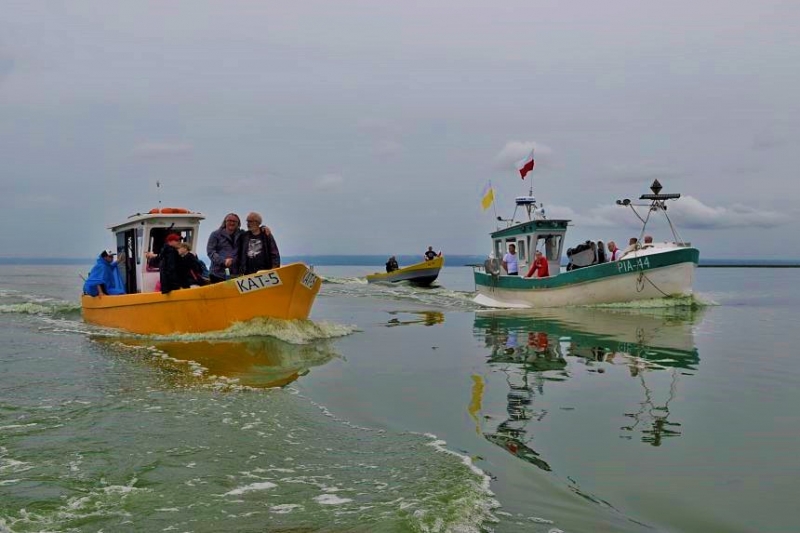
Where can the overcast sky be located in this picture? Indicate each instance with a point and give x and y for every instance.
(372, 127)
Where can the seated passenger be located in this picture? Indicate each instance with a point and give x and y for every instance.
(581, 256)
(601, 252)
(633, 244)
(648, 239)
(539, 268)
(391, 264)
(192, 270)
(430, 255)
(614, 252)
(104, 278)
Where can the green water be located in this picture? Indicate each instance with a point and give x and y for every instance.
(399, 409)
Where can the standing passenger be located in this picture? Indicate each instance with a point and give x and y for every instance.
(257, 248)
(510, 263)
(613, 250)
(601, 252)
(223, 246)
(169, 261)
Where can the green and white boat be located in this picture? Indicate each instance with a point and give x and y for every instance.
(644, 271)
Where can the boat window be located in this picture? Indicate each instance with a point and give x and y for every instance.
(159, 235)
(127, 244)
(138, 245)
(521, 250)
(498, 253)
(157, 238)
(550, 246)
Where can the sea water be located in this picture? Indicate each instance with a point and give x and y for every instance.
(406, 409)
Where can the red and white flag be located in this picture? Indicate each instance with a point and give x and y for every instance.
(526, 165)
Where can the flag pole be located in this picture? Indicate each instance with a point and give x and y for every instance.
(494, 203)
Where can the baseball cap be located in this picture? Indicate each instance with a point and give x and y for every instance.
(172, 237)
(106, 253)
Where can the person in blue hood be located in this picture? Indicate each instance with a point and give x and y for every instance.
(104, 276)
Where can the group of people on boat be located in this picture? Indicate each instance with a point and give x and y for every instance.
(538, 269)
(586, 254)
(429, 255)
(179, 267)
(232, 250)
(590, 253)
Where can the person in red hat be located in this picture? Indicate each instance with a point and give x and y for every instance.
(169, 264)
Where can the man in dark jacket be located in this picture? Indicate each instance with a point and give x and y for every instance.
(170, 264)
(257, 248)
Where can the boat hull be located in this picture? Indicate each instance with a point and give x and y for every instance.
(285, 293)
(638, 277)
(421, 274)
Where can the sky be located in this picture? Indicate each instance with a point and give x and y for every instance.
(362, 127)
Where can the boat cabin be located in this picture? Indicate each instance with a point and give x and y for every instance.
(146, 232)
(541, 234)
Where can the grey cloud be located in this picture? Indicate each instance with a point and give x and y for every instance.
(514, 151)
(687, 212)
(696, 215)
(244, 105)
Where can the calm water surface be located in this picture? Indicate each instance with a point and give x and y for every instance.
(401, 409)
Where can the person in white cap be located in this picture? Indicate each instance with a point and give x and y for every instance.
(104, 278)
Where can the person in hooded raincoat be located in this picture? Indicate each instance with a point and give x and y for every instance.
(104, 275)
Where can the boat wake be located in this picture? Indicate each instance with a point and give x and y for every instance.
(433, 296)
(43, 309)
(692, 301)
(289, 331)
(298, 332)
(341, 281)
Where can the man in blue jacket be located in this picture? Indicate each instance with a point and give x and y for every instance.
(104, 276)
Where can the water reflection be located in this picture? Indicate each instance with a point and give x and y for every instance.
(426, 318)
(261, 362)
(530, 349)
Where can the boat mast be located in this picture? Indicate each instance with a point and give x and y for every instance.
(657, 203)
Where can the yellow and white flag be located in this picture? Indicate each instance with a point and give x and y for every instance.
(487, 197)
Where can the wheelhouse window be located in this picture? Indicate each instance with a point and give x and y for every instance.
(158, 237)
(550, 245)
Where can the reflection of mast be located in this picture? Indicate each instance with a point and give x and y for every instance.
(659, 425)
(511, 433)
(522, 358)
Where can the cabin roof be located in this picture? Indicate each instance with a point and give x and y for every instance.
(138, 218)
(531, 226)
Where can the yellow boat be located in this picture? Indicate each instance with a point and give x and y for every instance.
(287, 292)
(421, 274)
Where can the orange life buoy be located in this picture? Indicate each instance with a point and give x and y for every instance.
(169, 210)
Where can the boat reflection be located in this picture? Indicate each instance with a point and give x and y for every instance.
(260, 362)
(426, 318)
(532, 348)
